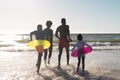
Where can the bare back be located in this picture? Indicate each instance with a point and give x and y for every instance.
(63, 31)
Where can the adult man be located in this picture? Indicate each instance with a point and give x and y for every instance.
(63, 34)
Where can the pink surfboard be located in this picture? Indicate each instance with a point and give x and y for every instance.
(85, 50)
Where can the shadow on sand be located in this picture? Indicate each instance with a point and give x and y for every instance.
(68, 73)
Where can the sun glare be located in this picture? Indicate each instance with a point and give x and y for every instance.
(8, 38)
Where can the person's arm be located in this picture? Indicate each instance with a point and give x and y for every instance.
(69, 34)
(44, 32)
(31, 35)
(52, 35)
(74, 46)
(56, 33)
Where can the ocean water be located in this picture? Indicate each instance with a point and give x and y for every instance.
(102, 41)
(18, 42)
(17, 59)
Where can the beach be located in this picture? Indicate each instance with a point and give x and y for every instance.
(100, 65)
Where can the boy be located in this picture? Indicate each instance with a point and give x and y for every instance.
(39, 34)
(48, 35)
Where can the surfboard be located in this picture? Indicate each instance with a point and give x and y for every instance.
(35, 43)
(85, 50)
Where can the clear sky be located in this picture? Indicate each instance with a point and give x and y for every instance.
(83, 16)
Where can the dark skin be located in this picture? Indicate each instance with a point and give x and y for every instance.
(48, 36)
(62, 32)
(39, 35)
(81, 55)
(79, 61)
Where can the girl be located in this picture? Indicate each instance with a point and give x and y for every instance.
(79, 45)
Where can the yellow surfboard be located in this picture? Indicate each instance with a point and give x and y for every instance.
(45, 43)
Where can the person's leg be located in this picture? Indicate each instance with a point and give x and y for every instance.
(39, 61)
(79, 57)
(59, 56)
(45, 56)
(67, 56)
(83, 63)
(50, 54)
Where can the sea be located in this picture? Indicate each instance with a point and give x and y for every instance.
(18, 42)
(17, 59)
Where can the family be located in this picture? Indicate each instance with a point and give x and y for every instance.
(63, 34)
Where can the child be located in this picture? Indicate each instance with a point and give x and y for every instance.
(39, 34)
(79, 45)
(48, 35)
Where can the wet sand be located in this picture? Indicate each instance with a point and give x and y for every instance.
(21, 66)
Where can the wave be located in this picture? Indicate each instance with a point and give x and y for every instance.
(21, 46)
(103, 45)
(55, 48)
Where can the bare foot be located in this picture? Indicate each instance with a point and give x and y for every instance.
(49, 61)
(37, 71)
(37, 65)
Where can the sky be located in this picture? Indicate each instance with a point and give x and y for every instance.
(83, 16)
